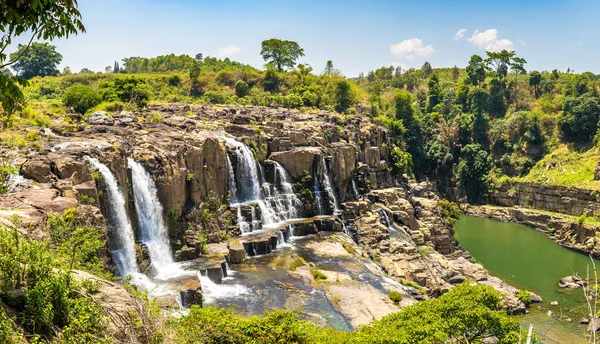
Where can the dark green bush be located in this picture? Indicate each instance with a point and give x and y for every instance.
(241, 88)
(395, 296)
(81, 98)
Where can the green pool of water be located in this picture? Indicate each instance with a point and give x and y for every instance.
(527, 259)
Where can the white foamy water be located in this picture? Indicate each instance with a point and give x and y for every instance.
(212, 291)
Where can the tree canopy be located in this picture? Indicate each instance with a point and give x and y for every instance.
(281, 54)
(40, 59)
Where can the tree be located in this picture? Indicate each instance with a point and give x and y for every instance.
(302, 72)
(280, 53)
(44, 20)
(535, 78)
(517, 65)
(579, 120)
(398, 72)
(241, 88)
(455, 72)
(108, 69)
(476, 70)
(81, 98)
(427, 68)
(435, 92)
(472, 172)
(39, 59)
(199, 57)
(67, 71)
(116, 67)
(344, 96)
(86, 71)
(329, 70)
(196, 89)
(498, 62)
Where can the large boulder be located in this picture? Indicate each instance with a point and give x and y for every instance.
(100, 118)
(572, 282)
(38, 169)
(298, 160)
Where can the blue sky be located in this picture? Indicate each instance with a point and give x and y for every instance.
(356, 35)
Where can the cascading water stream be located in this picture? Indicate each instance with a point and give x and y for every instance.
(329, 189)
(244, 181)
(152, 229)
(355, 189)
(124, 241)
(287, 204)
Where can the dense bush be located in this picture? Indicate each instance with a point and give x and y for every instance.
(81, 98)
(469, 312)
(241, 88)
(53, 301)
(395, 296)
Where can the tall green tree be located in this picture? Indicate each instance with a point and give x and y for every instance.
(476, 70)
(579, 121)
(535, 79)
(517, 65)
(472, 172)
(280, 53)
(499, 62)
(434, 93)
(43, 20)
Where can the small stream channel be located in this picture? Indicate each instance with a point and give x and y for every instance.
(527, 259)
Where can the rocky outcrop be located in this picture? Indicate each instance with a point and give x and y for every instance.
(417, 245)
(560, 199)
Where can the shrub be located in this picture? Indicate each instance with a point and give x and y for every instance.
(450, 211)
(318, 275)
(174, 80)
(6, 170)
(157, 118)
(241, 88)
(215, 97)
(525, 297)
(81, 98)
(395, 296)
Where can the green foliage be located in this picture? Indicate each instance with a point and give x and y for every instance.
(241, 88)
(8, 334)
(468, 312)
(174, 80)
(81, 98)
(47, 20)
(156, 118)
(281, 53)
(450, 211)
(472, 172)
(395, 296)
(6, 170)
(38, 59)
(579, 120)
(525, 297)
(318, 275)
(54, 301)
(402, 161)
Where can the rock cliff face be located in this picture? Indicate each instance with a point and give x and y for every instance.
(187, 155)
(560, 199)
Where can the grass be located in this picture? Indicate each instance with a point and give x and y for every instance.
(566, 167)
(296, 264)
(318, 275)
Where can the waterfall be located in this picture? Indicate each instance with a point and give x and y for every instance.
(244, 181)
(124, 241)
(287, 204)
(317, 194)
(245, 178)
(231, 182)
(329, 189)
(354, 189)
(152, 229)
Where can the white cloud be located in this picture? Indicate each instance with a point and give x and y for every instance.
(228, 51)
(489, 41)
(411, 48)
(459, 34)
